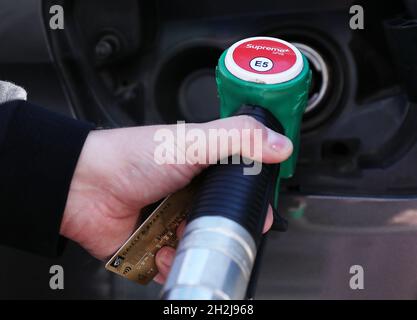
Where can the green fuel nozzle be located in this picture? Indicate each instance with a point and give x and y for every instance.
(268, 79)
(282, 89)
(270, 73)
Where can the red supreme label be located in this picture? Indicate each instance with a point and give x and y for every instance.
(264, 56)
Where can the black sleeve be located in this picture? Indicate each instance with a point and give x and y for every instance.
(38, 154)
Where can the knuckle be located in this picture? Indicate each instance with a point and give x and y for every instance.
(248, 122)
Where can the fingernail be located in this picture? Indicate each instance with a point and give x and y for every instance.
(278, 142)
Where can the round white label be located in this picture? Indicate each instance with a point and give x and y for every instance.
(261, 64)
(264, 60)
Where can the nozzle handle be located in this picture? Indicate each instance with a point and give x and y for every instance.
(226, 191)
(215, 258)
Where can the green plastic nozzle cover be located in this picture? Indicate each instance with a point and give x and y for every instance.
(286, 101)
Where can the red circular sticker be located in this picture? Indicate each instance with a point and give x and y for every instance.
(264, 56)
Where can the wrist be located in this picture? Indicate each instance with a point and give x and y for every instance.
(73, 223)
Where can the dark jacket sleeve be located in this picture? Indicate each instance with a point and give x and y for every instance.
(38, 154)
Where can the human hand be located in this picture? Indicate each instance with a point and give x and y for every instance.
(116, 176)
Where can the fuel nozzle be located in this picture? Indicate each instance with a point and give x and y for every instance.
(268, 79)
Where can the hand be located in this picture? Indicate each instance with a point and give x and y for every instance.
(117, 175)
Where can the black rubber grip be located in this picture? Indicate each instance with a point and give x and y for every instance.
(225, 190)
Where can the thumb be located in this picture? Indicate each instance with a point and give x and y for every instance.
(242, 135)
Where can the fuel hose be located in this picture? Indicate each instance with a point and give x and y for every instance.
(268, 79)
